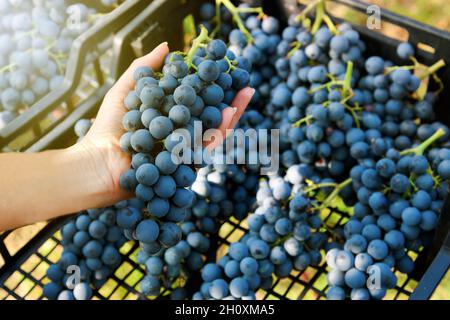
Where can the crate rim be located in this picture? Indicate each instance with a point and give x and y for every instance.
(75, 66)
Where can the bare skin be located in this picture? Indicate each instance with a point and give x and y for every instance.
(45, 185)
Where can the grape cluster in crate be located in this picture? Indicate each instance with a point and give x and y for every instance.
(356, 131)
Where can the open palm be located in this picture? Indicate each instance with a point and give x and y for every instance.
(107, 128)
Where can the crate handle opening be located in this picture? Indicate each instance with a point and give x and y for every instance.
(426, 47)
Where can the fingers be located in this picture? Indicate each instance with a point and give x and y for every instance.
(231, 115)
(241, 102)
(154, 59)
(227, 117)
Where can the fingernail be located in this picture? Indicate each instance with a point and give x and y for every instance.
(234, 110)
(163, 44)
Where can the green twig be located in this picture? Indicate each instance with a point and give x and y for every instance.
(320, 13)
(302, 120)
(420, 149)
(230, 65)
(307, 10)
(320, 186)
(326, 85)
(353, 110)
(348, 79)
(393, 68)
(7, 67)
(433, 69)
(217, 19)
(330, 24)
(237, 18)
(295, 46)
(202, 37)
(335, 193)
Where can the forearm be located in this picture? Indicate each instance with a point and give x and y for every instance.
(36, 187)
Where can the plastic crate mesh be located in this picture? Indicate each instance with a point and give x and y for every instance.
(27, 280)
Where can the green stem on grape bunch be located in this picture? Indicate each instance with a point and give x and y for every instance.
(49, 45)
(393, 68)
(196, 44)
(327, 85)
(179, 53)
(433, 69)
(47, 48)
(353, 110)
(306, 24)
(436, 178)
(348, 80)
(295, 46)
(417, 65)
(180, 282)
(411, 181)
(438, 82)
(414, 60)
(302, 15)
(330, 24)
(326, 203)
(7, 67)
(420, 149)
(320, 13)
(30, 32)
(57, 61)
(237, 18)
(302, 120)
(320, 17)
(230, 64)
(217, 19)
(320, 185)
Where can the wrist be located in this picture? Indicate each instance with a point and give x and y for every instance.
(100, 165)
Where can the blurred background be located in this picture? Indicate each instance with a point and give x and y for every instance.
(432, 12)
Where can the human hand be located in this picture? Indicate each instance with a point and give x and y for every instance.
(101, 144)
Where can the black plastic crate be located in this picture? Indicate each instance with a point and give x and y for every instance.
(23, 274)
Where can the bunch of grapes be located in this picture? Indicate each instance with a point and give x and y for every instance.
(193, 88)
(399, 200)
(222, 192)
(174, 267)
(35, 40)
(171, 268)
(217, 196)
(285, 233)
(213, 203)
(337, 111)
(91, 243)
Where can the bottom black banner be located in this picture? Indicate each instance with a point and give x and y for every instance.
(162, 309)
